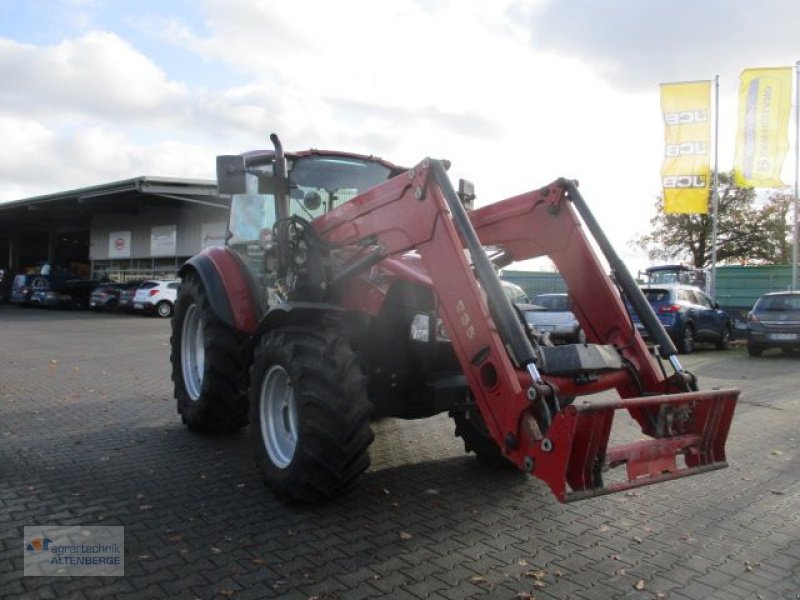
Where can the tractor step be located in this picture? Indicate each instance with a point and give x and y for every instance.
(574, 458)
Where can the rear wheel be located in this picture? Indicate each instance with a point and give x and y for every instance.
(686, 341)
(725, 342)
(309, 413)
(164, 309)
(471, 428)
(206, 365)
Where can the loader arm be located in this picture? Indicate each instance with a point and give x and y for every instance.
(523, 391)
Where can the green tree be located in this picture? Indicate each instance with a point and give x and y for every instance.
(747, 230)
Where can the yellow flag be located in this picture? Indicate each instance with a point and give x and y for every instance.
(686, 108)
(762, 139)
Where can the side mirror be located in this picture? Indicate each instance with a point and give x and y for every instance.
(716, 305)
(231, 174)
(466, 193)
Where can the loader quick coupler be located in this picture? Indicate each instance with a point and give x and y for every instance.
(543, 397)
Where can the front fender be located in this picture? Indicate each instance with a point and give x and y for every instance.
(231, 291)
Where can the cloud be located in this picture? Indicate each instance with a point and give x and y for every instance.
(98, 74)
(637, 43)
(36, 160)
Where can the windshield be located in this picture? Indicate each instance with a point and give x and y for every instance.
(317, 184)
(778, 303)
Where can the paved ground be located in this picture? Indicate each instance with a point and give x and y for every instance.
(89, 434)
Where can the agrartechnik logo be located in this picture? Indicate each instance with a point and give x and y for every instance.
(74, 551)
(39, 544)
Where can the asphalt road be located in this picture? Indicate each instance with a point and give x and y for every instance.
(89, 435)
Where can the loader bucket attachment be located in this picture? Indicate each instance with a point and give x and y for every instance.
(574, 458)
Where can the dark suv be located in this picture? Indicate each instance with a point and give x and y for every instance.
(774, 322)
(688, 315)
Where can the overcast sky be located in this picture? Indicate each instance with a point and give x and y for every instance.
(514, 93)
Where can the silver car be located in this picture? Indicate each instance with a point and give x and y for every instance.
(552, 315)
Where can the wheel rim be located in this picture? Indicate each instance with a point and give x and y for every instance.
(278, 416)
(164, 309)
(193, 351)
(688, 339)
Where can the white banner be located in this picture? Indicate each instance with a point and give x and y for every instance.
(163, 240)
(212, 234)
(119, 244)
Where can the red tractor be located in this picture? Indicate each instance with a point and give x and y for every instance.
(351, 289)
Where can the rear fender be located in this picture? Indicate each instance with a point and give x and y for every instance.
(231, 291)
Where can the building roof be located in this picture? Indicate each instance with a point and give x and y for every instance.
(73, 208)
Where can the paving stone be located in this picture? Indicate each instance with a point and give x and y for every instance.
(121, 446)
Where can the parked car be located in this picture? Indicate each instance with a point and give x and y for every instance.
(25, 286)
(107, 295)
(72, 293)
(553, 315)
(774, 322)
(155, 296)
(689, 315)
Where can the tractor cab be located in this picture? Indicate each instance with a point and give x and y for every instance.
(269, 189)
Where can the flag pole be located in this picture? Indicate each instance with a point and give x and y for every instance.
(796, 169)
(714, 190)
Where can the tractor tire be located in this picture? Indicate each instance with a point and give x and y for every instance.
(309, 413)
(725, 342)
(206, 364)
(685, 343)
(471, 428)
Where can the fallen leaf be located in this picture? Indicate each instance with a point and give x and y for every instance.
(259, 561)
(661, 595)
(748, 566)
(175, 538)
(404, 535)
(385, 491)
(637, 539)
(639, 585)
(776, 452)
(605, 528)
(633, 494)
(477, 579)
(291, 532)
(558, 573)
(539, 584)
(145, 507)
(432, 492)
(616, 557)
(215, 550)
(227, 593)
(621, 572)
(526, 596)
(522, 562)
(777, 492)
(535, 574)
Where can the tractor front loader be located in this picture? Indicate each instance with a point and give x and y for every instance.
(351, 288)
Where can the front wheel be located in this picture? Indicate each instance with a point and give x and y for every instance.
(471, 428)
(755, 350)
(686, 341)
(309, 413)
(206, 365)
